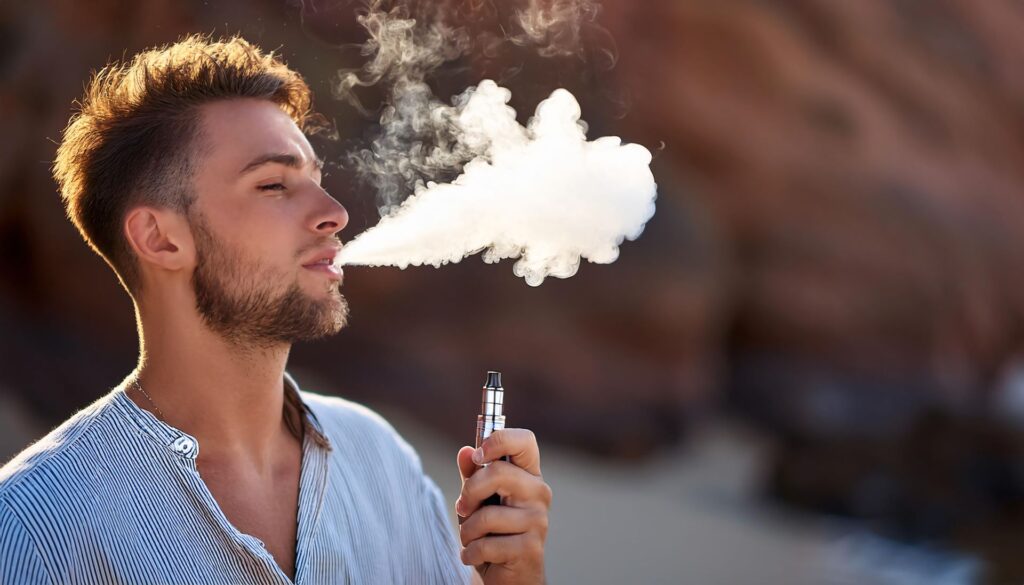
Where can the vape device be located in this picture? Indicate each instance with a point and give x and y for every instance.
(490, 419)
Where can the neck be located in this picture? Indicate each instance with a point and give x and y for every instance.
(229, 397)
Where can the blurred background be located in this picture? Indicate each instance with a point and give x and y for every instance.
(808, 369)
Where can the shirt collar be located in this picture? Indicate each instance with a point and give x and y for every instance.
(184, 445)
(309, 420)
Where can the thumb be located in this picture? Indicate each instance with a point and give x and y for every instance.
(465, 460)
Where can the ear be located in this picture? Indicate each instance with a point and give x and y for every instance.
(159, 237)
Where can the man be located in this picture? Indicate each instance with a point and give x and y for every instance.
(188, 171)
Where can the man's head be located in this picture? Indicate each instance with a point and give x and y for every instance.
(188, 168)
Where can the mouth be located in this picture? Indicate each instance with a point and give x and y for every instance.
(323, 262)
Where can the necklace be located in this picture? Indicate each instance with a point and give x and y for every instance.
(139, 386)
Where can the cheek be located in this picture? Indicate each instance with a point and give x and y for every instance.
(281, 252)
(263, 229)
(270, 234)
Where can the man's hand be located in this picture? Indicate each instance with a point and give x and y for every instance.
(505, 543)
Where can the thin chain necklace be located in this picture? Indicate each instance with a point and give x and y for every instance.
(139, 386)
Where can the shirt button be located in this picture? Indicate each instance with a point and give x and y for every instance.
(183, 446)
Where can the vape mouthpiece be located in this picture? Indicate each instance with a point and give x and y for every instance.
(493, 380)
(490, 419)
(492, 414)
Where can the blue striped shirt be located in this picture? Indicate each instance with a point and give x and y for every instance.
(113, 495)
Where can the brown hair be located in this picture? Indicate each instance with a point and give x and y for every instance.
(134, 139)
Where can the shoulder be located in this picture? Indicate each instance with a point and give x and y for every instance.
(336, 413)
(356, 425)
(55, 449)
(337, 410)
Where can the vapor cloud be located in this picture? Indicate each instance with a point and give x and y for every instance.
(456, 179)
(417, 139)
(541, 193)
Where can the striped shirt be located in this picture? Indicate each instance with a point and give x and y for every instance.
(113, 495)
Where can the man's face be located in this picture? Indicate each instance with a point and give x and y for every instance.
(263, 229)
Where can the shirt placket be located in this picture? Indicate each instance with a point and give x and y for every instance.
(186, 448)
(313, 476)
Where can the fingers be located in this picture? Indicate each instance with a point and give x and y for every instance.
(502, 549)
(466, 469)
(465, 461)
(502, 520)
(517, 488)
(512, 534)
(520, 445)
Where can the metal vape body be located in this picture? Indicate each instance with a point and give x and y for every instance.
(491, 418)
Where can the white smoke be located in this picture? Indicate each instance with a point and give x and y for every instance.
(542, 193)
(408, 41)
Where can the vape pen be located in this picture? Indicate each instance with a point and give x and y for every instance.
(490, 419)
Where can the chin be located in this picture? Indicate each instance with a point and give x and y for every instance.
(337, 313)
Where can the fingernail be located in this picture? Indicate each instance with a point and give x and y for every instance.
(458, 506)
(478, 456)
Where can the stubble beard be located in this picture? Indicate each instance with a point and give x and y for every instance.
(237, 298)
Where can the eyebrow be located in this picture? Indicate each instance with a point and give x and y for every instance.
(288, 160)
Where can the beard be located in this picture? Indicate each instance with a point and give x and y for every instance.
(237, 298)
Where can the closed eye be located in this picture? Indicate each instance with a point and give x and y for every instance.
(272, 187)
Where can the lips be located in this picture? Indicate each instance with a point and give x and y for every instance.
(323, 261)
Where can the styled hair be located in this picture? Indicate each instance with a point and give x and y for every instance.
(135, 136)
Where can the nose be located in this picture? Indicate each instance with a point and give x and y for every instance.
(330, 217)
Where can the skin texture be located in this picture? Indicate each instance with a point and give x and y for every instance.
(232, 302)
(224, 295)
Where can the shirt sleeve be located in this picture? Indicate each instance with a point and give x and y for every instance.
(20, 562)
(446, 544)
